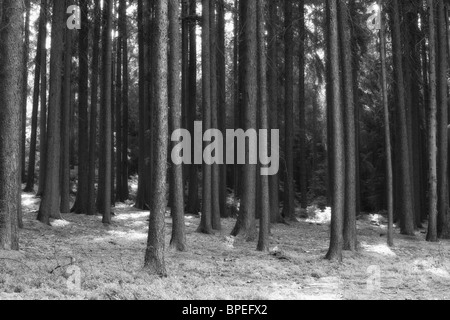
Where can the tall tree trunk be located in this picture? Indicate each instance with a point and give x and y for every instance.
(118, 110)
(94, 110)
(215, 175)
(272, 67)
(405, 201)
(289, 195)
(302, 109)
(432, 235)
(387, 131)
(246, 224)
(65, 123)
(154, 256)
(350, 137)
(125, 116)
(222, 103)
(337, 136)
(193, 200)
(104, 205)
(43, 110)
(80, 205)
(40, 50)
(51, 199)
(206, 218)
(178, 241)
(442, 114)
(26, 44)
(263, 242)
(11, 72)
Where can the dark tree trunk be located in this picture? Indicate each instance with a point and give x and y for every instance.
(125, 117)
(118, 110)
(40, 51)
(26, 45)
(206, 218)
(65, 124)
(263, 241)
(302, 109)
(94, 110)
(11, 72)
(51, 199)
(104, 205)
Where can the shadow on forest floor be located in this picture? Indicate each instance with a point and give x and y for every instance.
(110, 261)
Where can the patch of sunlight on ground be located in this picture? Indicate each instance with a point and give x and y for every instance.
(131, 235)
(315, 215)
(60, 223)
(132, 216)
(431, 267)
(381, 249)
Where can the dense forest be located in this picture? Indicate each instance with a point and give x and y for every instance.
(225, 118)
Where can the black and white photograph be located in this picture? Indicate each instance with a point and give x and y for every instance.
(222, 156)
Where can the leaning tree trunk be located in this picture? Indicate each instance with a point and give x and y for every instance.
(51, 199)
(11, 70)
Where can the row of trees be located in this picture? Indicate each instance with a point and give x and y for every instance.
(249, 79)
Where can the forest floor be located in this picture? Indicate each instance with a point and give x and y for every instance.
(109, 262)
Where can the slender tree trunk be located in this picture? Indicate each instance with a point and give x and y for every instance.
(206, 218)
(432, 235)
(302, 109)
(337, 134)
(65, 124)
(106, 116)
(289, 206)
(26, 44)
(154, 256)
(118, 110)
(350, 137)
(263, 242)
(125, 120)
(178, 241)
(193, 200)
(94, 110)
(387, 132)
(43, 110)
(51, 199)
(272, 67)
(40, 50)
(215, 175)
(11, 72)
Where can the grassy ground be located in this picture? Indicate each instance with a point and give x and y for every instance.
(110, 262)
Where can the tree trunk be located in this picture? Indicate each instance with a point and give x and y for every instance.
(206, 218)
(51, 199)
(350, 137)
(246, 224)
(40, 50)
(106, 116)
(263, 242)
(154, 256)
(125, 127)
(26, 44)
(337, 134)
(94, 110)
(178, 241)
(302, 109)
(289, 195)
(11, 72)
(65, 124)
(118, 110)
(432, 235)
